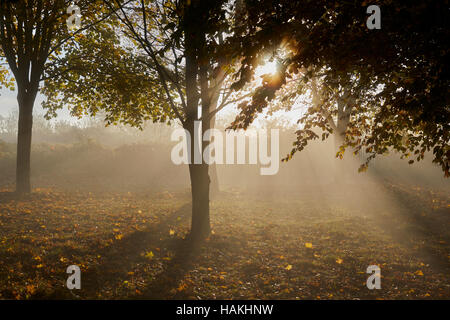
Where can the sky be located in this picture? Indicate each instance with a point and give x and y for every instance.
(8, 102)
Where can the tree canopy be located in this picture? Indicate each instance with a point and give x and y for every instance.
(394, 80)
(32, 34)
(158, 60)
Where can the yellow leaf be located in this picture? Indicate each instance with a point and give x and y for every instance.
(339, 260)
(289, 267)
(149, 255)
(171, 232)
(119, 236)
(31, 288)
(308, 244)
(419, 273)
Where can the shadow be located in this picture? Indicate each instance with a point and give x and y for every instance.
(416, 222)
(429, 228)
(119, 258)
(6, 196)
(166, 284)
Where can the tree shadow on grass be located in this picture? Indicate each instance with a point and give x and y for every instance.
(415, 223)
(7, 196)
(429, 229)
(165, 285)
(119, 258)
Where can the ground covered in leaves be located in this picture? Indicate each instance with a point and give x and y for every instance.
(312, 244)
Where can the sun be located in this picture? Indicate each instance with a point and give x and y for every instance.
(268, 68)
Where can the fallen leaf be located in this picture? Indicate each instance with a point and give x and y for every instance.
(31, 289)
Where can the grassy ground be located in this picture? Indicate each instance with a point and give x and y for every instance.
(311, 244)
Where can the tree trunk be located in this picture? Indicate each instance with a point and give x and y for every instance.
(339, 138)
(200, 182)
(197, 77)
(23, 166)
(214, 188)
(200, 226)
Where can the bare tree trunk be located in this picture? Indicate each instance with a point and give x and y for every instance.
(200, 225)
(200, 183)
(215, 187)
(197, 78)
(24, 134)
(339, 167)
(343, 118)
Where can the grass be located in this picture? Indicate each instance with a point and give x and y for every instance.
(307, 244)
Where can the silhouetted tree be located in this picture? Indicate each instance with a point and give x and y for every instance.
(31, 34)
(394, 80)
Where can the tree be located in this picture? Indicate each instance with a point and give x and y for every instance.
(158, 60)
(31, 34)
(5, 79)
(391, 84)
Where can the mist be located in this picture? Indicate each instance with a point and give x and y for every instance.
(88, 154)
(219, 150)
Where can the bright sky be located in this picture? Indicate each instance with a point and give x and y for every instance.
(8, 100)
(8, 104)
